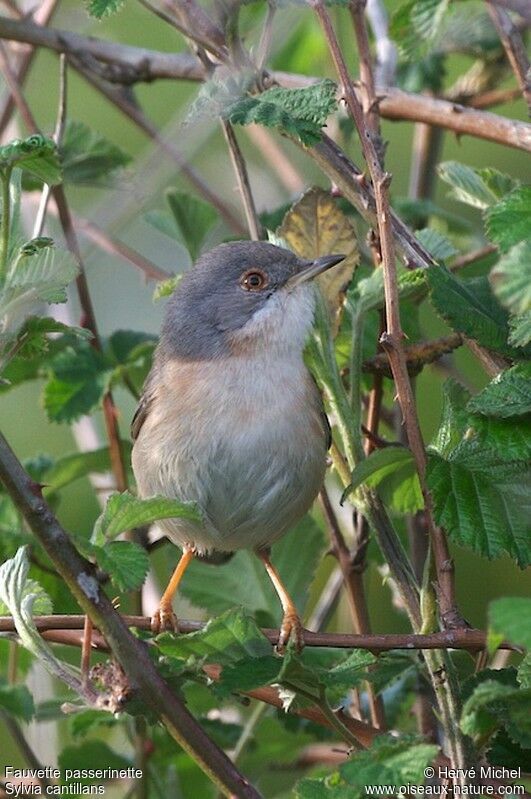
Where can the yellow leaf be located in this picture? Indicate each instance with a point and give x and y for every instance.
(315, 226)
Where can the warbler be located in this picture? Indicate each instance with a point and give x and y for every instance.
(230, 417)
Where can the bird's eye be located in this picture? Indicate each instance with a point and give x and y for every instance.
(253, 280)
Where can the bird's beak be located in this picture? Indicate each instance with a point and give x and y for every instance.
(314, 268)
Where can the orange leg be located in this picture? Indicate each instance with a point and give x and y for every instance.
(291, 627)
(164, 618)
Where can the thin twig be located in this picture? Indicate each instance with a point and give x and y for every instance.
(464, 638)
(514, 48)
(242, 177)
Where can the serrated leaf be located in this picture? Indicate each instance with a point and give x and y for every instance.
(510, 438)
(520, 330)
(17, 701)
(438, 245)
(469, 308)
(125, 512)
(511, 618)
(89, 720)
(508, 394)
(79, 379)
(524, 670)
(231, 637)
(493, 704)
(78, 464)
(475, 187)
(389, 761)
(296, 556)
(88, 158)
(511, 278)
(507, 222)
(126, 563)
(33, 276)
(316, 226)
(32, 338)
(300, 113)
(21, 597)
(36, 154)
(482, 501)
(103, 8)
(415, 24)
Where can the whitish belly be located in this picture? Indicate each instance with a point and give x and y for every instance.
(253, 460)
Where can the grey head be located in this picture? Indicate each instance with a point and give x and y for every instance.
(227, 289)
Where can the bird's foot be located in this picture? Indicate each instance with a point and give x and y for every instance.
(164, 620)
(291, 629)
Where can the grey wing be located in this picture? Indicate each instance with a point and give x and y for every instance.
(142, 411)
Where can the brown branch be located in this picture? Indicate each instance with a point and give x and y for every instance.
(242, 177)
(127, 64)
(199, 28)
(417, 355)
(131, 653)
(462, 638)
(521, 7)
(514, 48)
(471, 257)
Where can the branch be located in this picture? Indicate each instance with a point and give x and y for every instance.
(127, 64)
(417, 355)
(463, 638)
(132, 654)
(514, 48)
(242, 177)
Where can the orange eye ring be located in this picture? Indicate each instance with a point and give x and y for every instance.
(254, 280)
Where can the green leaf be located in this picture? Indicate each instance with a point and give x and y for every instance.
(389, 762)
(296, 556)
(438, 245)
(469, 308)
(479, 188)
(507, 222)
(17, 701)
(36, 154)
(510, 438)
(32, 338)
(21, 598)
(79, 379)
(524, 669)
(125, 512)
(509, 394)
(454, 418)
(300, 113)
(88, 756)
(520, 329)
(127, 563)
(227, 639)
(165, 288)
(377, 465)
(78, 464)
(103, 8)
(88, 158)
(511, 618)
(36, 274)
(482, 501)
(415, 24)
(511, 278)
(494, 703)
(89, 720)
(193, 219)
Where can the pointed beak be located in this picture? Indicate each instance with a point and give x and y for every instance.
(314, 268)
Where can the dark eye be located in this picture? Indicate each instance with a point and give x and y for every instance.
(253, 280)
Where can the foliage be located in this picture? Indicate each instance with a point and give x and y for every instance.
(326, 701)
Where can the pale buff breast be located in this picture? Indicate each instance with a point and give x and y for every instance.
(242, 437)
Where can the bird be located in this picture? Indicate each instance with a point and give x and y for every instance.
(230, 417)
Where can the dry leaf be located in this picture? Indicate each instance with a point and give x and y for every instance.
(316, 226)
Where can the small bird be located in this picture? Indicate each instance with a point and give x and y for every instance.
(230, 417)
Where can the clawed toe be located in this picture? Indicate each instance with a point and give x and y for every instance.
(164, 620)
(291, 629)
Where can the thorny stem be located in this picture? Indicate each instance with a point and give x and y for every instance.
(393, 342)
